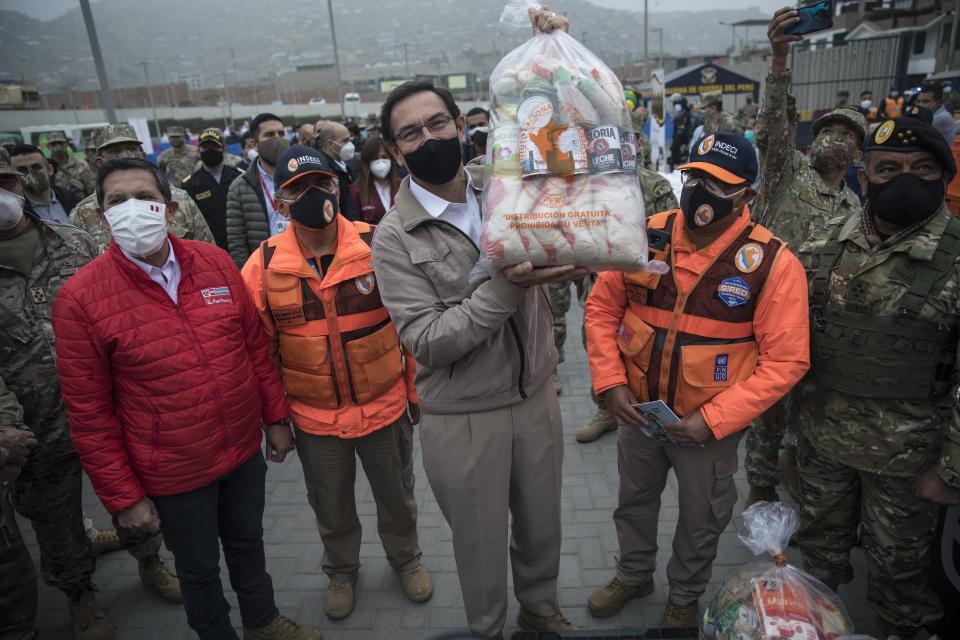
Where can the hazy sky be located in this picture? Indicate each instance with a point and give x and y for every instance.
(49, 9)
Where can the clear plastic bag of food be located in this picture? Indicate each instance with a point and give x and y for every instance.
(561, 186)
(770, 600)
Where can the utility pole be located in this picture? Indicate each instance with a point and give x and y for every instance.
(336, 61)
(406, 59)
(659, 31)
(98, 60)
(227, 91)
(146, 75)
(953, 36)
(646, 37)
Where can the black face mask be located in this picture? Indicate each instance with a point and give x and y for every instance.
(479, 138)
(701, 208)
(314, 209)
(905, 200)
(436, 161)
(211, 157)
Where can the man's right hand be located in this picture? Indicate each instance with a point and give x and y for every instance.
(620, 403)
(18, 442)
(142, 515)
(526, 275)
(779, 41)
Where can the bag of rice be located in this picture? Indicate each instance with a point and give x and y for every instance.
(562, 185)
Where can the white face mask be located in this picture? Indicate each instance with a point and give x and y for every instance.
(380, 168)
(678, 107)
(866, 104)
(138, 226)
(11, 209)
(347, 151)
(252, 155)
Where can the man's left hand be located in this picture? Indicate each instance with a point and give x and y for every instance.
(692, 430)
(932, 489)
(546, 20)
(414, 410)
(279, 441)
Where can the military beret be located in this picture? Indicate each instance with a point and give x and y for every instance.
(174, 131)
(912, 133)
(115, 134)
(849, 117)
(56, 136)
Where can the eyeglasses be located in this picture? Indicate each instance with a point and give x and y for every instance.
(712, 186)
(436, 125)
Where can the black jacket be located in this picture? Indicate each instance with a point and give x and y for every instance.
(68, 199)
(211, 199)
(347, 206)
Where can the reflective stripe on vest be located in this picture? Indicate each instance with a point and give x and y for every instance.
(685, 348)
(337, 349)
(899, 357)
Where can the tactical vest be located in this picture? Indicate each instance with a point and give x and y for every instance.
(896, 357)
(685, 348)
(332, 351)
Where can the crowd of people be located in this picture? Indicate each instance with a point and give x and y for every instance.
(162, 322)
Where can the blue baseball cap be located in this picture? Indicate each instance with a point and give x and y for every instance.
(728, 157)
(298, 161)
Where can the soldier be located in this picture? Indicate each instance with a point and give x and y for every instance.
(120, 141)
(72, 173)
(208, 185)
(179, 160)
(657, 197)
(798, 194)
(747, 111)
(843, 100)
(877, 448)
(36, 259)
(90, 151)
(18, 580)
(715, 119)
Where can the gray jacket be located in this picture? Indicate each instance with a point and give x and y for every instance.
(247, 222)
(478, 346)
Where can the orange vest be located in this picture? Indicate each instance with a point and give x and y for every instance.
(893, 107)
(335, 349)
(685, 349)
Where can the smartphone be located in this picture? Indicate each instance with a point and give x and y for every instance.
(813, 18)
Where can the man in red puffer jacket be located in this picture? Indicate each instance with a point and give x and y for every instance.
(167, 382)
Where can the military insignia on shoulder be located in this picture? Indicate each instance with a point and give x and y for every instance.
(366, 284)
(749, 257)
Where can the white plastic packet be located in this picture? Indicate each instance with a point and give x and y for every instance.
(773, 600)
(561, 185)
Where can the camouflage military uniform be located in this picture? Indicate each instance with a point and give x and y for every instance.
(18, 581)
(746, 112)
(875, 409)
(187, 223)
(793, 202)
(178, 163)
(726, 123)
(76, 174)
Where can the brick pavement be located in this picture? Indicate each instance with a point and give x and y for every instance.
(294, 549)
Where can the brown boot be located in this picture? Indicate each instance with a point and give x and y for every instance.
(532, 622)
(417, 584)
(761, 494)
(89, 620)
(680, 615)
(339, 598)
(282, 628)
(602, 422)
(106, 541)
(156, 574)
(610, 598)
(791, 475)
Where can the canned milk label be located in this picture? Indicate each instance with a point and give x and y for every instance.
(605, 150)
(628, 150)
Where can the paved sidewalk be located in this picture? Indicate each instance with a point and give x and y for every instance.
(294, 549)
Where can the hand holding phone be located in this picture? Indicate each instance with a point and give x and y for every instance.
(813, 18)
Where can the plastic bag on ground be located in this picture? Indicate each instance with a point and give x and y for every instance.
(561, 186)
(770, 599)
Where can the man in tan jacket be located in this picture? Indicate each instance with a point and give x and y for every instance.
(490, 429)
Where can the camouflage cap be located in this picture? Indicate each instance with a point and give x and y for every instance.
(116, 133)
(5, 168)
(175, 130)
(711, 97)
(56, 136)
(849, 117)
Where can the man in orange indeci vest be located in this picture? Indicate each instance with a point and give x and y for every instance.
(348, 382)
(719, 339)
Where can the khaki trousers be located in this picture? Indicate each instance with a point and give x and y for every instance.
(330, 470)
(483, 468)
(707, 495)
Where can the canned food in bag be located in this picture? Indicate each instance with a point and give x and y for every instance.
(605, 152)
